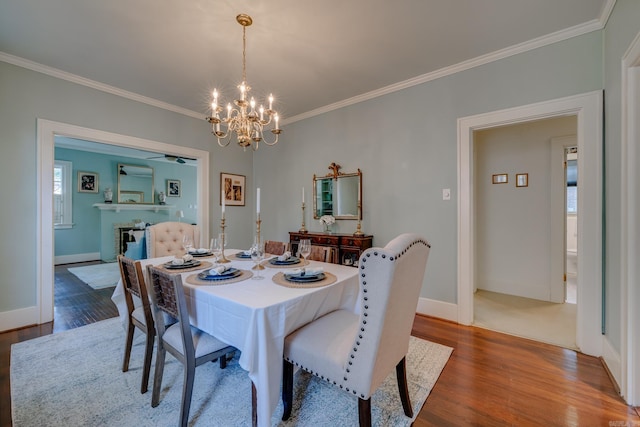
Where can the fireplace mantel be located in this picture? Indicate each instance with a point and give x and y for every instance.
(117, 207)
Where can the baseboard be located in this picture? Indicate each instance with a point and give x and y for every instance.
(19, 318)
(70, 259)
(439, 309)
(611, 361)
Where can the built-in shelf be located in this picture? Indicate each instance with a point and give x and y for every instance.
(117, 207)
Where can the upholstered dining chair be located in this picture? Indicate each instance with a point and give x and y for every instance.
(275, 248)
(191, 346)
(165, 238)
(356, 352)
(138, 317)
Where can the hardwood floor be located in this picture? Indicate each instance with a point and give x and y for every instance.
(75, 304)
(491, 379)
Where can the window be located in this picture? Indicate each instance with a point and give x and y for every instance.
(62, 195)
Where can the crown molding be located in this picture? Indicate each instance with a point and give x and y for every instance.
(587, 27)
(73, 78)
(558, 36)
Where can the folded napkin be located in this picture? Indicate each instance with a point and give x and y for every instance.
(198, 250)
(217, 270)
(306, 271)
(248, 252)
(285, 256)
(182, 260)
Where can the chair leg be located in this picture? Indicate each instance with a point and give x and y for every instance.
(148, 354)
(401, 374)
(157, 377)
(254, 405)
(223, 361)
(364, 412)
(187, 391)
(127, 346)
(287, 388)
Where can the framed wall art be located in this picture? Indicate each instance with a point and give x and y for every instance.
(232, 189)
(174, 188)
(522, 180)
(87, 182)
(500, 178)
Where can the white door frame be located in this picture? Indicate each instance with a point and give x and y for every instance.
(630, 226)
(588, 110)
(46, 132)
(558, 232)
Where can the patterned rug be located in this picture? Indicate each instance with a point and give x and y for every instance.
(98, 276)
(74, 378)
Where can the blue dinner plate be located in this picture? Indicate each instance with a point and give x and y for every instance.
(228, 274)
(304, 279)
(242, 255)
(290, 261)
(188, 264)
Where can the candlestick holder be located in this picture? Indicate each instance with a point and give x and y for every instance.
(358, 229)
(223, 235)
(303, 229)
(258, 242)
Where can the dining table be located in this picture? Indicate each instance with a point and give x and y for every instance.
(255, 316)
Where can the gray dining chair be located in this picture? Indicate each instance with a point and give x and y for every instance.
(188, 344)
(357, 351)
(138, 317)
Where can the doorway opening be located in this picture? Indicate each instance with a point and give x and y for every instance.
(47, 131)
(587, 108)
(520, 229)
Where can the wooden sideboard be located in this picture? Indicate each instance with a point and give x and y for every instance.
(347, 247)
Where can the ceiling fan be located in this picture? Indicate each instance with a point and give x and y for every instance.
(171, 158)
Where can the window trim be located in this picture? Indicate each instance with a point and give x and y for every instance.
(67, 192)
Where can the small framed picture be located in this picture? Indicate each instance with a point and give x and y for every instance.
(232, 189)
(500, 178)
(522, 180)
(174, 188)
(87, 182)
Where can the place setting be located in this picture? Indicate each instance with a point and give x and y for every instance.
(287, 260)
(184, 263)
(305, 277)
(219, 275)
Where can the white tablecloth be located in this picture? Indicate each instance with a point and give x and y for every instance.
(256, 315)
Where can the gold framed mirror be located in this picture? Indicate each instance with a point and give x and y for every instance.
(135, 184)
(338, 194)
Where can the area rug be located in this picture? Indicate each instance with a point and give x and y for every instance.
(98, 276)
(74, 378)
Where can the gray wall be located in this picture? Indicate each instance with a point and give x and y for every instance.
(405, 143)
(622, 27)
(26, 96)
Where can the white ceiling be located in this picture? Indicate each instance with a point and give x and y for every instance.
(309, 54)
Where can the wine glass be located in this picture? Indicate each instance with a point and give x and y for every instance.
(187, 243)
(257, 254)
(304, 248)
(214, 248)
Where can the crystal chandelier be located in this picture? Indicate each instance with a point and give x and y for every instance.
(247, 123)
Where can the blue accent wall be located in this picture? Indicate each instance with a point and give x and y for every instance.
(92, 231)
